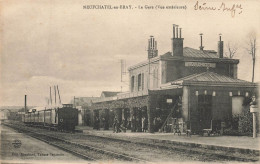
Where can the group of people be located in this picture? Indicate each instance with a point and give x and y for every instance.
(157, 123)
(123, 126)
(135, 124)
(139, 125)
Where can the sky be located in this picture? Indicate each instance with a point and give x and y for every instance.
(50, 42)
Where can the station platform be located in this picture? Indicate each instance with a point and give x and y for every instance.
(243, 144)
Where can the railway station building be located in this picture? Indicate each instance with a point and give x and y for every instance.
(194, 89)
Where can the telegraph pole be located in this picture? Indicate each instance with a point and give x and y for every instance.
(74, 102)
(25, 103)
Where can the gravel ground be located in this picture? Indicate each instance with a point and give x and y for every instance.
(30, 149)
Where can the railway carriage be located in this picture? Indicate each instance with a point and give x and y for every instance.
(64, 118)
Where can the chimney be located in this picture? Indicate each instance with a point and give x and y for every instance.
(220, 47)
(201, 47)
(152, 48)
(177, 41)
(25, 103)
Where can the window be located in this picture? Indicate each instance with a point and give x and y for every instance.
(237, 105)
(142, 81)
(139, 82)
(132, 83)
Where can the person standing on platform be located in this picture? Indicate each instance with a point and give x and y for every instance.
(123, 125)
(133, 124)
(115, 125)
(143, 124)
(98, 123)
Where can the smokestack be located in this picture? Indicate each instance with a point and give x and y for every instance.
(177, 42)
(50, 96)
(25, 103)
(152, 48)
(176, 31)
(173, 31)
(220, 47)
(201, 47)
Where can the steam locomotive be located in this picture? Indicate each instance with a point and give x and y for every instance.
(63, 118)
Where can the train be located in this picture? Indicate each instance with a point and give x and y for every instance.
(63, 118)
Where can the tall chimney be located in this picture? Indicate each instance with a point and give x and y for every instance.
(220, 47)
(25, 103)
(152, 48)
(201, 47)
(176, 31)
(173, 30)
(177, 42)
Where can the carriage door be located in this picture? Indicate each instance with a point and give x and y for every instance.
(204, 111)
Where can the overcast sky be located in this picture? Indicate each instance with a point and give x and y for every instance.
(46, 43)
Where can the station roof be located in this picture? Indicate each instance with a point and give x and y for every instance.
(211, 78)
(189, 54)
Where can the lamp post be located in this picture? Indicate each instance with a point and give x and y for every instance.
(254, 110)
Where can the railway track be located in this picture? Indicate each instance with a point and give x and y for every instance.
(202, 154)
(230, 156)
(83, 151)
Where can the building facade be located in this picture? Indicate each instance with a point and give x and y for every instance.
(185, 89)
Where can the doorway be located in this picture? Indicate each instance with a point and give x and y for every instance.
(205, 111)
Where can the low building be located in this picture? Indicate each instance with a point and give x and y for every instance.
(185, 89)
(83, 105)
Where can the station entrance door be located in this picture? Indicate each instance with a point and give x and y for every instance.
(205, 111)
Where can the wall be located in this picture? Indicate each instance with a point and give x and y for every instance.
(221, 102)
(173, 70)
(154, 76)
(162, 72)
(225, 69)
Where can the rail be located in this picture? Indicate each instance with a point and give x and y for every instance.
(52, 139)
(204, 153)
